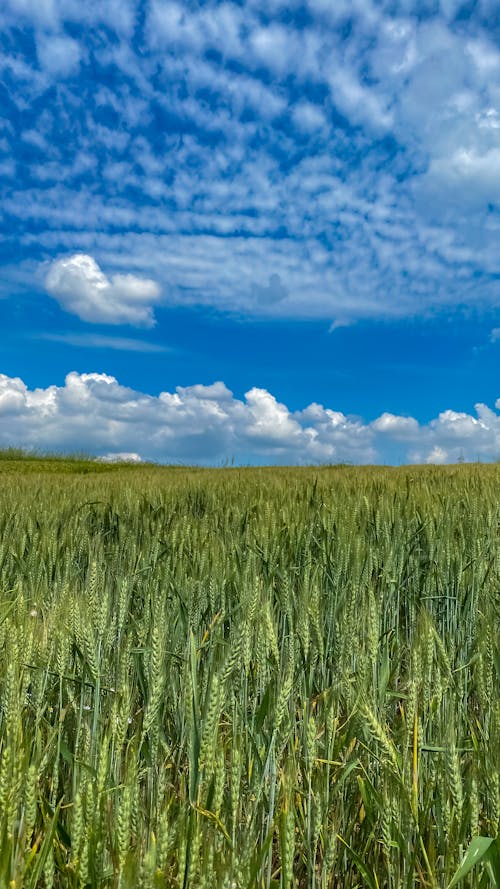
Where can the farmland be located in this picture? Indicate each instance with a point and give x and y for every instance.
(245, 678)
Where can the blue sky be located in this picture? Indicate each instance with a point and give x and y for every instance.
(260, 231)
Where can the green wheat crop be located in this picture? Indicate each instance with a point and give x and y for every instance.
(244, 678)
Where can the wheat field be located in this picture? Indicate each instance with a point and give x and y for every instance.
(243, 678)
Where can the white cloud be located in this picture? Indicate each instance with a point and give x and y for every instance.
(200, 423)
(58, 54)
(81, 288)
(308, 117)
(437, 455)
(174, 23)
(274, 46)
(470, 176)
(44, 11)
(358, 103)
(116, 14)
(485, 55)
(12, 395)
(270, 423)
(120, 457)
(97, 341)
(398, 428)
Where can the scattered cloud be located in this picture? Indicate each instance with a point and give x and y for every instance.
(81, 288)
(207, 424)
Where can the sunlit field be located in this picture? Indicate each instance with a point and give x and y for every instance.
(243, 678)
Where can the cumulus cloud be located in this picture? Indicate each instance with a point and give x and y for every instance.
(207, 424)
(396, 427)
(120, 457)
(81, 288)
(437, 455)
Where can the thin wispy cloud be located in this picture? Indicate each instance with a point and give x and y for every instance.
(97, 341)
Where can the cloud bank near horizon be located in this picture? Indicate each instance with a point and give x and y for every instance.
(207, 424)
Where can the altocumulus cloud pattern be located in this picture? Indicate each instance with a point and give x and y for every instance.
(208, 424)
(302, 159)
